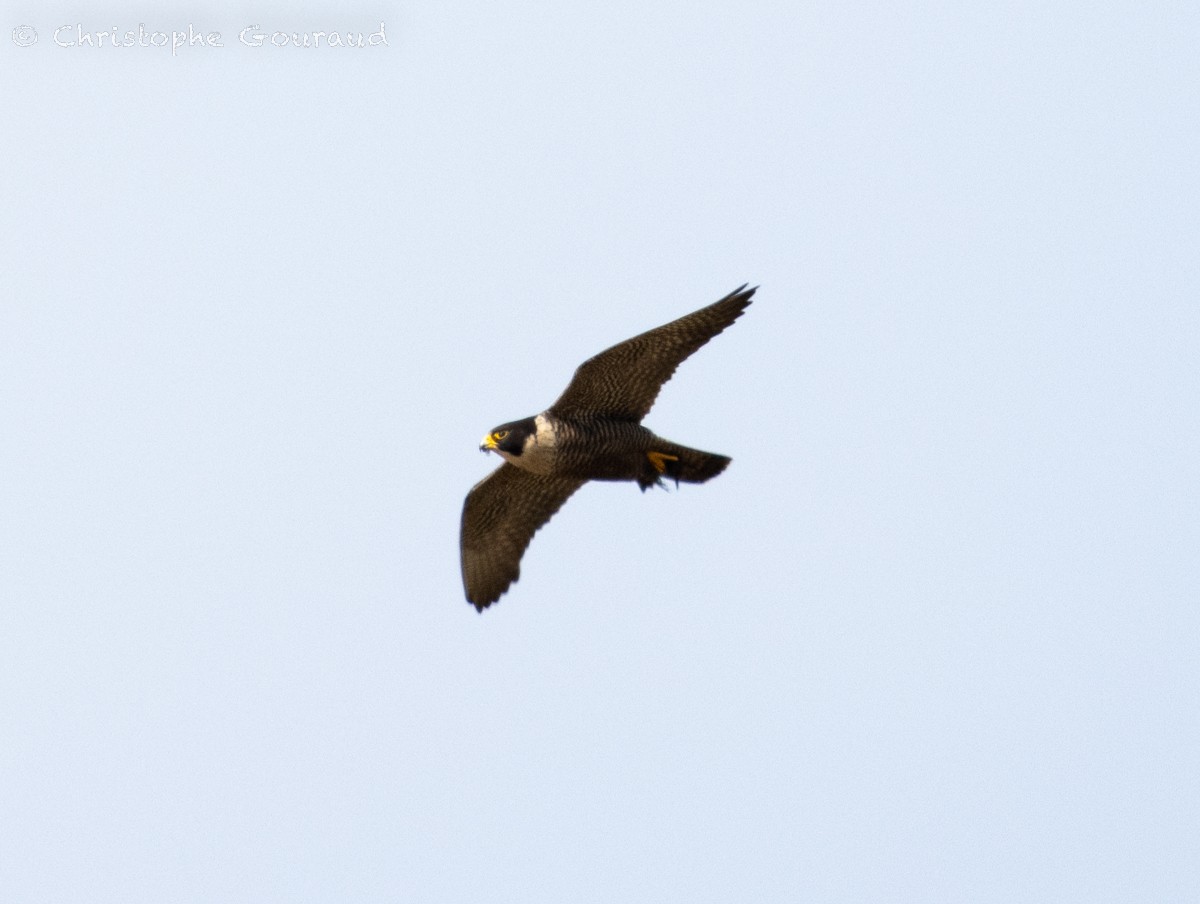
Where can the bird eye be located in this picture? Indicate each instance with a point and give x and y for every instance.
(500, 435)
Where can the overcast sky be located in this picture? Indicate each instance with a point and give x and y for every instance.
(931, 637)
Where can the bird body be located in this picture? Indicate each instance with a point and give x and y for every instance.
(600, 449)
(592, 432)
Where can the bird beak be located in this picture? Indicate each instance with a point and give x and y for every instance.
(488, 444)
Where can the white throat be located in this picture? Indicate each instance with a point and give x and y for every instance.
(539, 452)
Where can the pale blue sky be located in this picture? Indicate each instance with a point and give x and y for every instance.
(932, 637)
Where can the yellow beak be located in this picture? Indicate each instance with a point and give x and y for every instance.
(488, 444)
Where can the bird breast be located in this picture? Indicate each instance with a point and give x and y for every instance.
(539, 455)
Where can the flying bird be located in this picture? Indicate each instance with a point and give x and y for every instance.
(592, 432)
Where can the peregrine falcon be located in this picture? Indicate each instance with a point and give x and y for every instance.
(593, 432)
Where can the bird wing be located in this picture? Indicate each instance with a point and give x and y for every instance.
(500, 516)
(623, 381)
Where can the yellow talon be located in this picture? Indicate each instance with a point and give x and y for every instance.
(660, 459)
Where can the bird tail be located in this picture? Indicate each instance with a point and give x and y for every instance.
(679, 463)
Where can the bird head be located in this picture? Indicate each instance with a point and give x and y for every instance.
(509, 439)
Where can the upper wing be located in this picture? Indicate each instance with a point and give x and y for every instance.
(500, 516)
(623, 381)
